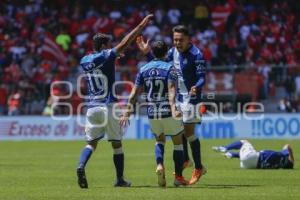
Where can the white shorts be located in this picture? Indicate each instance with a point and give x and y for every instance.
(190, 113)
(100, 121)
(169, 126)
(248, 156)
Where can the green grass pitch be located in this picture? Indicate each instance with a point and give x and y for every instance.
(37, 170)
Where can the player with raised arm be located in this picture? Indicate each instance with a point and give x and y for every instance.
(159, 79)
(99, 69)
(252, 159)
(191, 68)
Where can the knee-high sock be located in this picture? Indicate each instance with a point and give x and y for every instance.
(178, 159)
(196, 151)
(235, 145)
(119, 162)
(85, 156)
(159, 153)
(185, 149)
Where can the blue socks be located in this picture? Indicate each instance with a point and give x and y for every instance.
(85, 156)
(178, 159)
(118, 159)
(159, 153)
(235, 145)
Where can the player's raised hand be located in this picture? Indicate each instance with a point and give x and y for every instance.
(130, 37)
(146, 20)
(142, 45)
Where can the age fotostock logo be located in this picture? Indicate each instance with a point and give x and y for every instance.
(214, 110)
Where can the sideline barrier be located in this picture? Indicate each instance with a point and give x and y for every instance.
(271, 126)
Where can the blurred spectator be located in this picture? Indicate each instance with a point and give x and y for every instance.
(297, 87)
(64, 40)
(174, 15)
(15, 101)
(286, 105)
(3, 99)
(265, 71)
(151, 30)
(201, 16)
(289, 87)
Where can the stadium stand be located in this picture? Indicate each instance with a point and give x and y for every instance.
(252, 47)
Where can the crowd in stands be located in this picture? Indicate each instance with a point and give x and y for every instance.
(42, 41)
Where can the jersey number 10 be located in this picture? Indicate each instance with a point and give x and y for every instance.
(97, 82)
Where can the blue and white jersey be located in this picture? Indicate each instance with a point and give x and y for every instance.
(154, 77)
(191, 69)
(99, 68)
(269, 159)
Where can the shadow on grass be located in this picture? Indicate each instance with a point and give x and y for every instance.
(207, 186)
(217, 186)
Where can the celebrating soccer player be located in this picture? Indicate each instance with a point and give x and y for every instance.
(158, 78)
(99, 68)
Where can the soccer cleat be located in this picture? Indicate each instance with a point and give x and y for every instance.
(161, 179)
(219, 149)
(122, 183)
(180, 181)
(228, 155)
(82, 182)
(196, 175)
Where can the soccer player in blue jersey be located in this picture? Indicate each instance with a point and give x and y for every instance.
(252, 159)
(159, 79)
(191, 69)
(99, 68)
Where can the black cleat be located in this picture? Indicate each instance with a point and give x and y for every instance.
(82, 182)
(122, 183)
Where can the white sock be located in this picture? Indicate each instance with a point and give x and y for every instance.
(118, 150)
(178, 147)
(90, 147)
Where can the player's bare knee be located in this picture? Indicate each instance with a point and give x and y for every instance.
(189, 130)
(161, 138)
(92, 145)
(177, 139)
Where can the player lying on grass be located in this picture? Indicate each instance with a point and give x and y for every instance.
(252, 159)
(158, 78)
(99, 68)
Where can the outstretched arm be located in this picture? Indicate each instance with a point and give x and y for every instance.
(127, 40)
